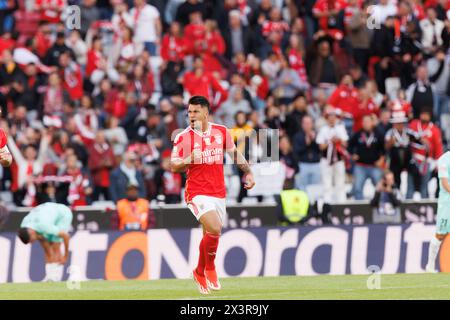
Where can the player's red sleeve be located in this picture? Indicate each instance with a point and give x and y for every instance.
(182, 146)
(229, 141)
(3, 138)
(177, 150)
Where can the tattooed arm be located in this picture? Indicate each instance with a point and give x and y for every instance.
(243, 165)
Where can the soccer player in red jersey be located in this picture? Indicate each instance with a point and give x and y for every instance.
(199, 150)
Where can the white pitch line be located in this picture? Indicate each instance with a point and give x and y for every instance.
(208, 297)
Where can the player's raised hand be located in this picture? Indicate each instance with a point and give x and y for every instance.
(249, 181)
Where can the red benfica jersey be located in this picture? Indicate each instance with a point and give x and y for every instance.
(429, 132)
(344, 98)
(205, 177)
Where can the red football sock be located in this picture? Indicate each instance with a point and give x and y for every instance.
(201, 258)
(210, 245)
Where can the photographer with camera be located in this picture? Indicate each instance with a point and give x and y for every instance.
(386, 202)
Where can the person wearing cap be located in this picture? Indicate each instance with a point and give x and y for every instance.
(133, 211)
(426, 148)
(332, 140)
(126, 173)
(396, 143)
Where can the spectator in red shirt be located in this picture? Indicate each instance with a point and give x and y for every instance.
(200, 83)
(327, 12)
(366, 106)
(50, 9)
(195, 34)
(94, 56)
(42, 39)
(101, 162)
(71, 75)
(55, 96)
(79, 187)
(295, 56)
(275, 29)
(214, 48)
(173, 46)
(86, 117)
(141, 84)
(259, 84)
(345, 97)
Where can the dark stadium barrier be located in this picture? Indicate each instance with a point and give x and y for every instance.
(170, 216)
(239, 216)
(162, 253)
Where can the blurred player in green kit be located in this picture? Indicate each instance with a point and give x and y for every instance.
(443, 211)
(49, 223)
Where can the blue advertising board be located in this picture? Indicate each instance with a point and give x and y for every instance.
(164, 253)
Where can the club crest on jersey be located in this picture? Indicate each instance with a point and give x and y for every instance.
(218, 138)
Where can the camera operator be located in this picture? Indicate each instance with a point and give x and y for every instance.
(386, 202)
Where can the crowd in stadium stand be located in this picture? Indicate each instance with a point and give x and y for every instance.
(354, 88)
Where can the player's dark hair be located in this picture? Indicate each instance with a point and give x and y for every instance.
(23, 235)
(200, 100)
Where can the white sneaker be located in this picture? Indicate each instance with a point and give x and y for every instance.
(430, 269)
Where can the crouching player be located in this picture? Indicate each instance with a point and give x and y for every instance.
(49, 223)
(199, 150)
(443, 211)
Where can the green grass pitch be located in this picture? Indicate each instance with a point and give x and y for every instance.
(398, 286)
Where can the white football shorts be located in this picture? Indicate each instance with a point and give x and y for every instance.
(200, 205)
